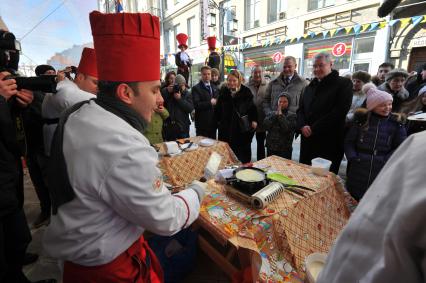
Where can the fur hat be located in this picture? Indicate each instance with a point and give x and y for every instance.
(375, 96)
(180, 79)
(41, 69)
(362, 76)
(396, 73)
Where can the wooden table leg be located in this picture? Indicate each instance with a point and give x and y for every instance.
(219, 259)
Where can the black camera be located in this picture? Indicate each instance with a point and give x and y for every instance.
(176, 88)
(44, 83)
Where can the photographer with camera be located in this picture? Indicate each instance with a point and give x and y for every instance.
(84, 87)
(178, 101)
(36, 158)
(14, 232)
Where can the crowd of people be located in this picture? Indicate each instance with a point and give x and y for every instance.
(362, 117)
(94, 136)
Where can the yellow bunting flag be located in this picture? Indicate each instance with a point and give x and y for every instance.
(332, 32)
(424, 19)
(382, 25)
(348, 29)
(405, 22)
(365, 27)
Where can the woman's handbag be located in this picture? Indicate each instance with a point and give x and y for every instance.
(243, 122)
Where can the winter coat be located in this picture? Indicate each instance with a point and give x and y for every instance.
(367, 148)
(398, 98)
(229, 129)
(278, 86)
(33, 124)
(281, 129)
(415, 86)
(9, 154)
(323, 107)
(204, 112)
(213, 60)
(153, 131)
(179, 109)
(258, 99)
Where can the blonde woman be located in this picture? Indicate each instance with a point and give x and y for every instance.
(236, 115)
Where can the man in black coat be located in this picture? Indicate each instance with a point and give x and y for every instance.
(14, 232)
(204, 96)
(322, 111)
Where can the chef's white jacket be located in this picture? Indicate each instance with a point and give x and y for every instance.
(119, 191)
(68, 94)
(385, 238)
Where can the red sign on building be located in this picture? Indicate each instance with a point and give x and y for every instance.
(339, 49)
(277, 57)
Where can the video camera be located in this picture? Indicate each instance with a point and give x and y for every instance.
(44, 83)
(176, 88)
(9, 59)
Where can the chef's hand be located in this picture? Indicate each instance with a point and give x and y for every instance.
(7, 87)
(213, 101)
(24, 97)
(306, 131)
(200, 188)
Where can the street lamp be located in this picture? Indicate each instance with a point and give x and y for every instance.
(212, 23)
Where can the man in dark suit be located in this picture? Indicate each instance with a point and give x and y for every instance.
(321, 114)
(204, 96)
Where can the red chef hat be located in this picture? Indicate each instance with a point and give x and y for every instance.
(182, 38)
(87, 63)
(211, 41)
(127, 46)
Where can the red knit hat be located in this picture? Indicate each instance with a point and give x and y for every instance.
(182, 38)
(87, 63)
(211, 41)
(127, 46)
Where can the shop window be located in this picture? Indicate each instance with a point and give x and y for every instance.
(252, 14)
(361, 67)
(276, 10)
(167, 41)
(318, 4)
(190, 24)
(340, 63)
(175, 32)
(264, 59)
(364, 45)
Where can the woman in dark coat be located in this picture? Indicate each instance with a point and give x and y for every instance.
(374, 136)
(236, 115)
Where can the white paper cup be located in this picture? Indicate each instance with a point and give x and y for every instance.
(320, 166)
(314, 264)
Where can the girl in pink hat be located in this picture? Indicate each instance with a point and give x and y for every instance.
(371, 140)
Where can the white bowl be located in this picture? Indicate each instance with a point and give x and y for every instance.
(207, 142)
(320, 166)
(314, 264)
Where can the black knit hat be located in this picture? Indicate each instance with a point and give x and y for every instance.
(41, 69)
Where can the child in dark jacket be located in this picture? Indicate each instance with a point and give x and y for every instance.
(371, 140)
(280, 126)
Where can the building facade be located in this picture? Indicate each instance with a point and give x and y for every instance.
(269, 30)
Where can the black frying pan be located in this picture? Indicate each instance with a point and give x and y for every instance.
(248, 187)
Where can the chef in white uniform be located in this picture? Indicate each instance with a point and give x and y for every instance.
(110, 189)
(385, 238)
(84, 87)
